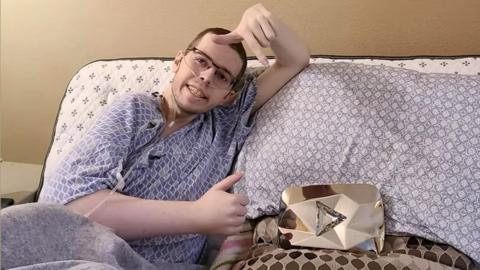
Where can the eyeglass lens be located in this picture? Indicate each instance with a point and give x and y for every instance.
(198, 62)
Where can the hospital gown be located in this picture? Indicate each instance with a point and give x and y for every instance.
(182, 166)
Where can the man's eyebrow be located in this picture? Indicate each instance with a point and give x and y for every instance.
(214, 64)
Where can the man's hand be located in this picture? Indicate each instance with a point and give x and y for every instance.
(255, 28)
(259, 28)
(220, 212)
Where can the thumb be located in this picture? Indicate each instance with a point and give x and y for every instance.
(232, 37)
(228, 182)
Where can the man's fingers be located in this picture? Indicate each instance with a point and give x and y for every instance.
(267, 29)
(260, 36)
(227, 39)
(241, 211)
(256, 48)
(250, 39)
(238, 221)
(237, 229)
(242, 199)
(228, 182)
(267, 18)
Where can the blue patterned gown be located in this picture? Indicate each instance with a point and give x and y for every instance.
(182, 166)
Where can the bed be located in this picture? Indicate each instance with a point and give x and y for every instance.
(408, 125)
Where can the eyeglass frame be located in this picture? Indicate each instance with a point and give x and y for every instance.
(196, 50)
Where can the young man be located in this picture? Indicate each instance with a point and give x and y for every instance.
(168, 155)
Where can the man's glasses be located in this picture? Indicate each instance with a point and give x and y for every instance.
(197, 61)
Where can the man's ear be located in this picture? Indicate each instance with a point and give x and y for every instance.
(177, 60)
(229, 98)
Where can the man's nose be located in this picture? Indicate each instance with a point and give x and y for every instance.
(207, 75)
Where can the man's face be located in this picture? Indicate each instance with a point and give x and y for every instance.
(195, 90)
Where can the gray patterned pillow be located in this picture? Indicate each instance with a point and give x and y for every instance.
(416, 136)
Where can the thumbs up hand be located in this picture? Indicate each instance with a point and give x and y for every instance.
(257, 29)
(220, 212)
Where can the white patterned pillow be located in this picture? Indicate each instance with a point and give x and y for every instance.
(416, 136)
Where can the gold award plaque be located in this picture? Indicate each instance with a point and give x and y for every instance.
(338, 216)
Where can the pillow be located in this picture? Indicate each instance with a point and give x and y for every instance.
(416, 136)
(99, 83)
(452, 65)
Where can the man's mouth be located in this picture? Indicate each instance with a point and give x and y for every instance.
(195, 92)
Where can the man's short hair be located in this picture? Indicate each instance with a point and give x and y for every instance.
(238, 47)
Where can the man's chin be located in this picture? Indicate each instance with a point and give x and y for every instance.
(189, 104)
(189, 109)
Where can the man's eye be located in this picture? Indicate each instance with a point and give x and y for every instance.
(222, 76)
(202, 61)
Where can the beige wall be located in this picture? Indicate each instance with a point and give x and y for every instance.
(17, 177)
(44, 42)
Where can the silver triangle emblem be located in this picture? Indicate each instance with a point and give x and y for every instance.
(327, 218)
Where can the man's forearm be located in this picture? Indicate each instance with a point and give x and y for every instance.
(216, 212)
(133, 218)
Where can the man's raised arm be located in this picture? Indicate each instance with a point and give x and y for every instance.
(259, 28)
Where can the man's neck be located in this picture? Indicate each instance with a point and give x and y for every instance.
(174, 115)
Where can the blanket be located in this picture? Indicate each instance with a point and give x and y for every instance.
(48, 237)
